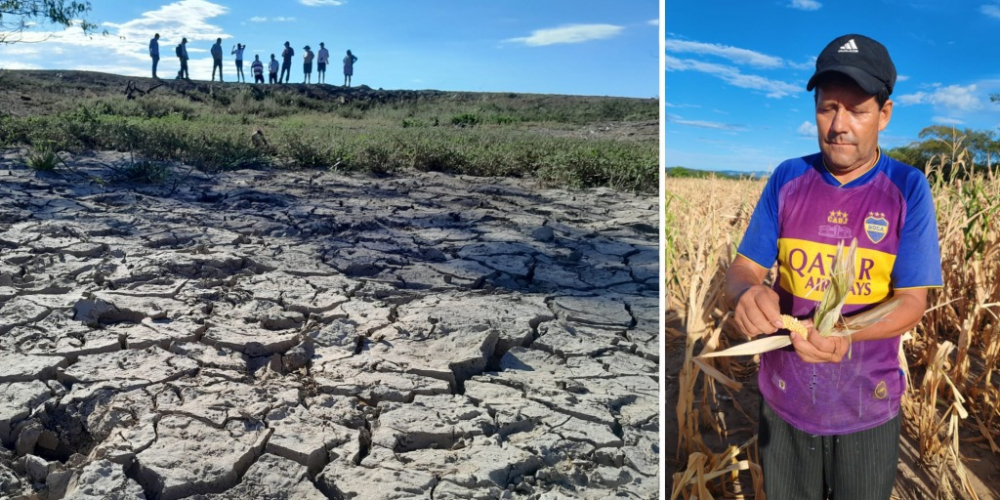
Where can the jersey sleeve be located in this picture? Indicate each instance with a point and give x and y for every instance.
(760, 242)
(918, 262)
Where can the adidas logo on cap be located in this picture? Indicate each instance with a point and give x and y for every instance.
(850, 46)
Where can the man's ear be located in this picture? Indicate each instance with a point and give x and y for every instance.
(884, 115)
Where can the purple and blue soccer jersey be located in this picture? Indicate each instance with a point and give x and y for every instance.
(802, 214)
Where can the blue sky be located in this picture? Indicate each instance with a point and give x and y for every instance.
(582, 47)
(736, 73)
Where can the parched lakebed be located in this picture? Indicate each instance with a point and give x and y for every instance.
(276, 334)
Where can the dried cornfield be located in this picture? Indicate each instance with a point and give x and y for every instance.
(952, 404)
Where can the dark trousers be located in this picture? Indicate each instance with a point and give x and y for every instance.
(286, 71)
(802, 466)
(156, 60)
(217, 63)
(260, 78)
(183, 73)
(272, 77)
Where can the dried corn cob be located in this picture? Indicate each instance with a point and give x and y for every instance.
(792, 324)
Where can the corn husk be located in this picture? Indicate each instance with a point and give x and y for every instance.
(841, 283)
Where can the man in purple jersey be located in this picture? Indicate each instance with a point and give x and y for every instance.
(829, 420)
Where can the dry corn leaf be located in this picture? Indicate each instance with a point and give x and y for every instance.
(841, 282)
(758, 346)
(716, 374)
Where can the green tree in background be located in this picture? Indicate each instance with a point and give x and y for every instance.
(18, 15)
(938, 140)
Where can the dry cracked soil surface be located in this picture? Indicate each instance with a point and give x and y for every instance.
(300, 335)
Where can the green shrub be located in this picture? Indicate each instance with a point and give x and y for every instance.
(491, 134)
(502, 119)
(378, 159)
(465, 120)
(144, 172)
(305, 153)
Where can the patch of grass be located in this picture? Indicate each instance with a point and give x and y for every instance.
(210, 127)
(465, 120)
(43, 158)
(144, 172)
(305, 153)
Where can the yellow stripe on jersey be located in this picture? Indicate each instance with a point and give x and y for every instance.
(805, 267)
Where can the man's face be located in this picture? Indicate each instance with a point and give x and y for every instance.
(848, 121)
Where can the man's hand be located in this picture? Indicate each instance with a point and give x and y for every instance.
(820, 349)
(757, 311)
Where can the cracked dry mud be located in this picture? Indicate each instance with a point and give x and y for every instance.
(309, 335)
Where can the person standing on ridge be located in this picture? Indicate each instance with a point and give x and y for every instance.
(182, 55)
(830, 415)
(307, 65)
(154, 51)
(238, 50)
(349, 68)
(272, 70)
(286, 63)
(257, 68)
(217, 58)
(322, 58)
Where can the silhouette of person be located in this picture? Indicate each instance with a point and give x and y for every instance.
(307, 65)
(217, 58)
(154, 51)
(272, 68)
(322, 59)
(257, 68)
(238, 50)
(349, 68)
(182, 54)
(286, 63)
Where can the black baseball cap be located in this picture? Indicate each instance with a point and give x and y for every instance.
(864, 60)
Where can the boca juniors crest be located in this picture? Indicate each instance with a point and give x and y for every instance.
(876, 227)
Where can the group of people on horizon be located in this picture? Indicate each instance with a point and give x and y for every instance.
(322, 58)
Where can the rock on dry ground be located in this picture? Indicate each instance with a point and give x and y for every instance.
(261, 334)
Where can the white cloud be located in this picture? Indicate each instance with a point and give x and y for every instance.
(992, 10)
(807, 129)
(954, 97)
(127, 43)
(185, 18)
(704, 124)
(805, 4)
(575, 33)
(317, 3)
(653, 22)
(279, 19)
(734, 54)
(902, 78)
(119, 69)
(808, 65)
(18, 65)
(773, 88)
(943, 120)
